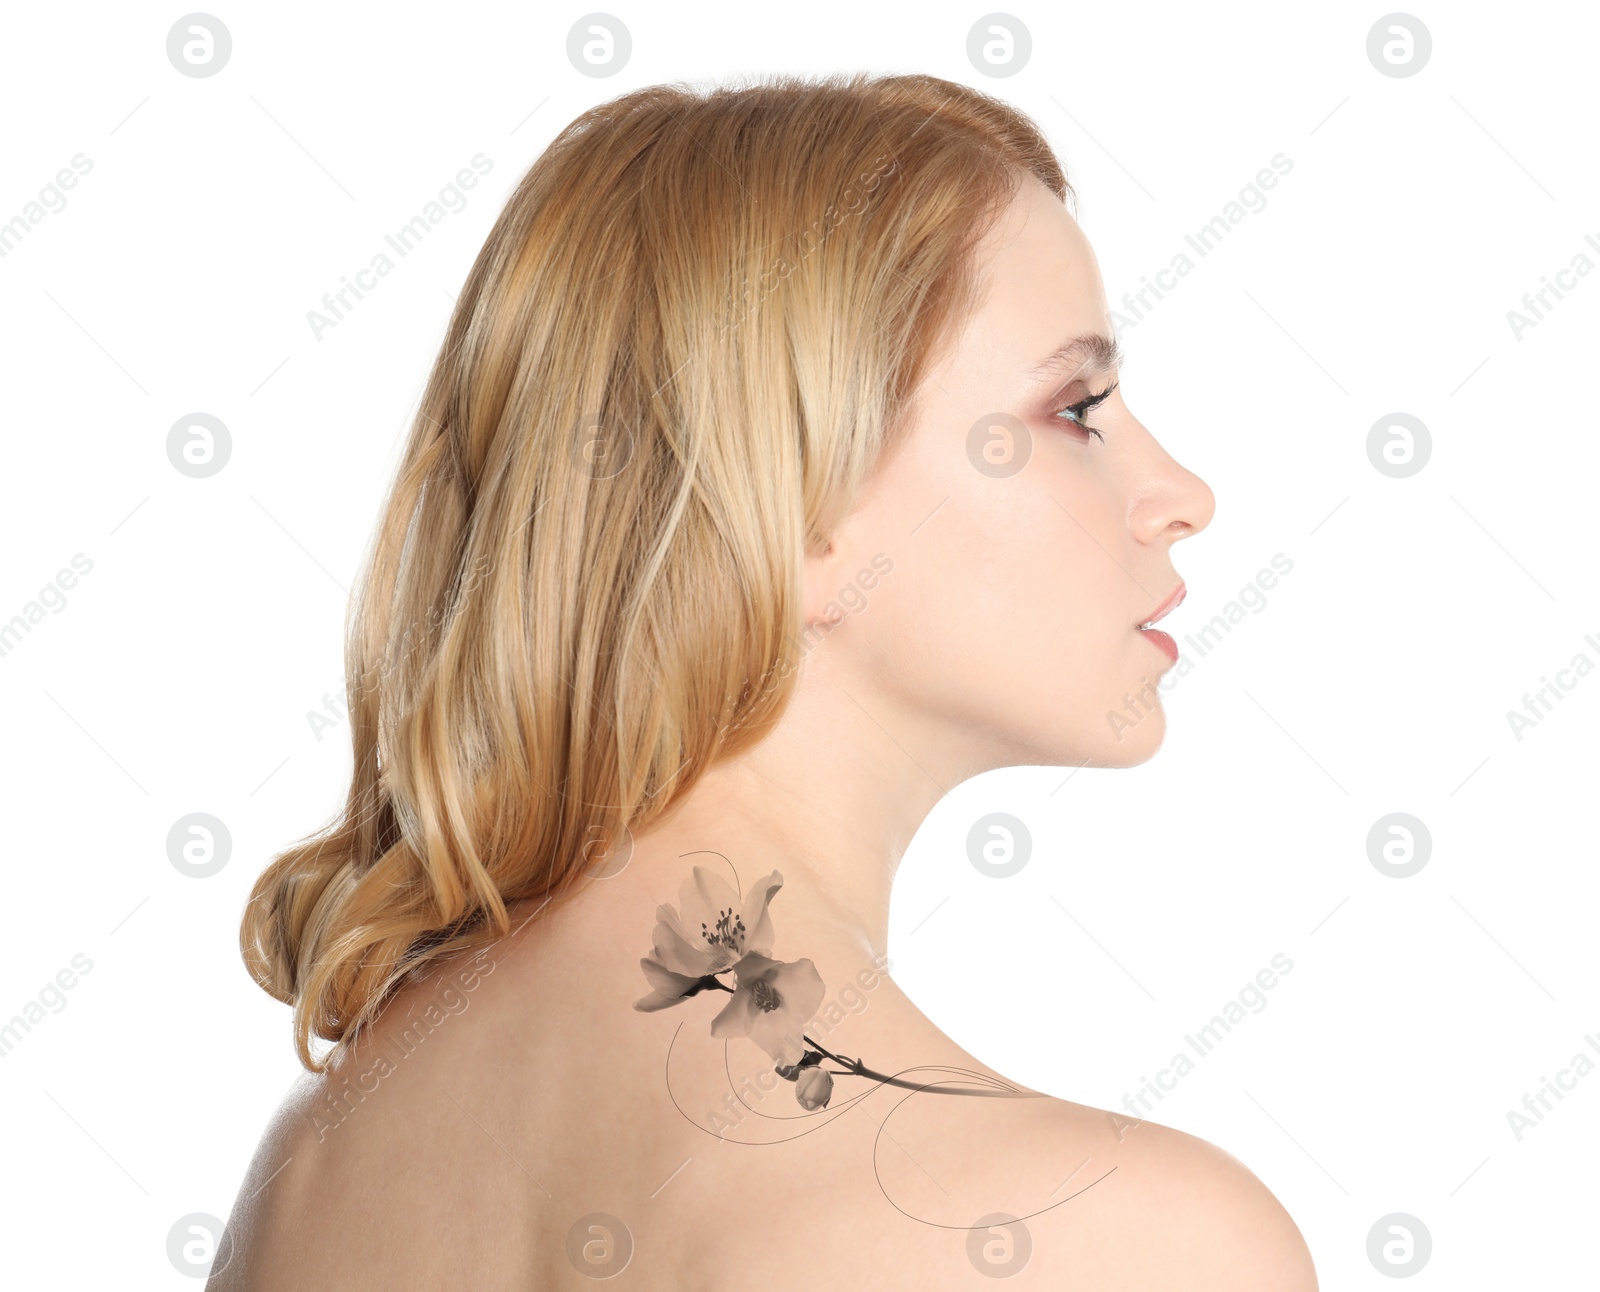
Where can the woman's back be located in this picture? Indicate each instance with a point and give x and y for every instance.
(499, 1128)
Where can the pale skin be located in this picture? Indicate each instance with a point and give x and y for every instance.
(1004, 634)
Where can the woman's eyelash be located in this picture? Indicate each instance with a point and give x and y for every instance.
(1084, 407)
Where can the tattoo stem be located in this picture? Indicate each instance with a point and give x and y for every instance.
(858, 1069)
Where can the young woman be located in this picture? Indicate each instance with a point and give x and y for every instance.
(775, 477)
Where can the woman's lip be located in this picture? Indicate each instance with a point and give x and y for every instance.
(1162, 641)
(1167, 606)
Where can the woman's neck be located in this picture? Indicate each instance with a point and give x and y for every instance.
(830, 799)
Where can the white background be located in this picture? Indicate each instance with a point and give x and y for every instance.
(179, 673)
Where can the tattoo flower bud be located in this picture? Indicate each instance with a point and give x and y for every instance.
(812, 1088)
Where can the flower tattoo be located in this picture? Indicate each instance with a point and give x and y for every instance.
(713, 934)
(717, 940)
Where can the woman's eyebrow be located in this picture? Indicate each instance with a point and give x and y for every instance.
(1082, 356)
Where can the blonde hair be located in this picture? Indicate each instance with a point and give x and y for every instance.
(691, 335)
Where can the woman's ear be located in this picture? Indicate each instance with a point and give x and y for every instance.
(823, 576)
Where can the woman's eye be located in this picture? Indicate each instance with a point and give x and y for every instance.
(1083, 408)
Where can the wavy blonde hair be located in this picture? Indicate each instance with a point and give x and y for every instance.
(691, 335)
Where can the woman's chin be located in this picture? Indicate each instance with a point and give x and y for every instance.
(1125, 746)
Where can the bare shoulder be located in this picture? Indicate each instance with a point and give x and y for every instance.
(1159, 1208)
(1045, 1192)
(1194, 1215)
(384, 1171)
(251, 1254)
